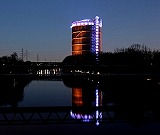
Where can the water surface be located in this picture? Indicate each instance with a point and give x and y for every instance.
(46, 93)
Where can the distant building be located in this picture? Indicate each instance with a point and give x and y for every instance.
(87, 36)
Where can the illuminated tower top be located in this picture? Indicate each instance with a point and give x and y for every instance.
(95, 21)
(86, 36)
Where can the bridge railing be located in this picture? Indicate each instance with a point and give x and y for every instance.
(51, 115)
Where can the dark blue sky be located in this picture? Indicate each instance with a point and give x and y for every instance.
(43, 26)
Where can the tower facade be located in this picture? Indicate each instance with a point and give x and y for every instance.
(87, 36)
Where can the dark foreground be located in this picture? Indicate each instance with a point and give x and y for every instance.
(80, 129)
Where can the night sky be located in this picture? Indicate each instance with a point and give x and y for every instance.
(43, 26)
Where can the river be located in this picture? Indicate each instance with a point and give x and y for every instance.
(46, 93)
(136, 98)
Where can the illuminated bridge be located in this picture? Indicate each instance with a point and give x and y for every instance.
(46, 68)
(32, 68)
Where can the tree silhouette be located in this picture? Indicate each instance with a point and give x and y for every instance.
(134, 59)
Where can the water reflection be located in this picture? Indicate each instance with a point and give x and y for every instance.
(86, 93)
(135, 99)
(82, 97)
(12, 90)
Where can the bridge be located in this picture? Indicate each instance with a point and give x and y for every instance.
(56, 68)
(64, 115)
(32, 68)
(52, 115)
(45, 68)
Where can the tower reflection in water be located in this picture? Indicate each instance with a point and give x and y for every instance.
(87, 97)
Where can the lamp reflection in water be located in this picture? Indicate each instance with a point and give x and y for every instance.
(82, 97)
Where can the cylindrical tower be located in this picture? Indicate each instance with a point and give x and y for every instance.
(86, 36)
